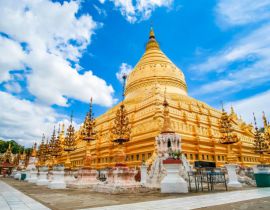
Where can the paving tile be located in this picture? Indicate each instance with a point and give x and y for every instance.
(10, 198)
(194, 201)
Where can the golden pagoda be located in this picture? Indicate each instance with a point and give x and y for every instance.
(197, 123)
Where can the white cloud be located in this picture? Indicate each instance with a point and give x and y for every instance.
(139, 10)
(55, 38)
(43, 41)
(256, 104)
(124, 69)
(256, 47)
(244, 63)
(63, 81)
(11, 56)
(100, 11)
(231, 12)
(25, 121)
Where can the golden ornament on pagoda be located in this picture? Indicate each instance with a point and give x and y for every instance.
(88, 135)
(260, 144)
(69, 143)
(8, 154)
(41, 154)
(56, 147)
(121, 130)
(228, 136)
(34, 150)
(266, 130)
(226, 129)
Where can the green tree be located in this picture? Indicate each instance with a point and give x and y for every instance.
(15, 147)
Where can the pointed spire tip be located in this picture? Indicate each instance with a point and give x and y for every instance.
(152, 34)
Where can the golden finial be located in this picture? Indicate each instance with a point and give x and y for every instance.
(222, 106)
(265, 123)
(255, 121)
(63, 128)
(124, 77)
(232, 110)
(152, 43)
(151, 34)
(59, 130)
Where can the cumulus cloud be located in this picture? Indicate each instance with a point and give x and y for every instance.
(256, 104)
(231, 12)
(47, 38)
(25, 121)
(41, 43)
(11, 57)
(244, 63)
(124, 69)
(139, 10)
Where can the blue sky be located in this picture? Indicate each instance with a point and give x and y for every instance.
(55, 55)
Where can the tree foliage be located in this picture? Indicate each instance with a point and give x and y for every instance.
(15, 147)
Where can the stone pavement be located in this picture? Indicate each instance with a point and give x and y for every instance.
(193, 202)
(10, 198)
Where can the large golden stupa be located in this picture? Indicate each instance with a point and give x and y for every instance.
(197, 123)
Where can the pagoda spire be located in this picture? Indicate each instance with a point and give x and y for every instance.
(152, 34)
(89, 134)
(34, 150)
(42, 152)
(226, 128)
(57, 149)
(53, 137)
(167, 121)
(260, 144)
(265, 123)
(63, 129)
(69, 142)
(121, 128)
(88, 130)
(232, 110)
(152, 42)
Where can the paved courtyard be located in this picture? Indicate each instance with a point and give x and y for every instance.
(10, 198)
(31, 196)
(195, 202)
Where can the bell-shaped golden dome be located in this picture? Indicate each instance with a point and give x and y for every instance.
(155, 68)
